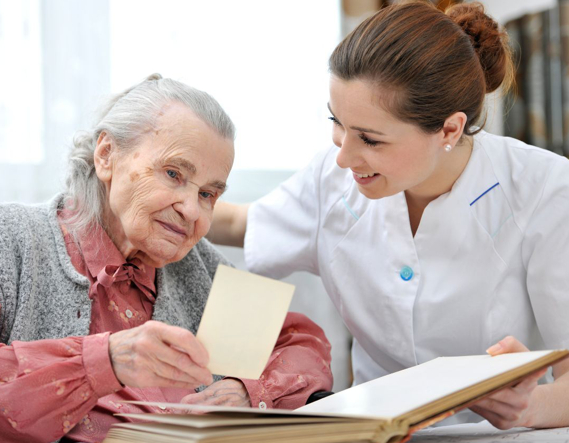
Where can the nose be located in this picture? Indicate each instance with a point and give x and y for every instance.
(348, 155)
(188, 207)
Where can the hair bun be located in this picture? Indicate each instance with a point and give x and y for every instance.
(153, 77)
(488, 40)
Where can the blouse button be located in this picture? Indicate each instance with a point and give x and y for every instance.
(262, 405)
(128, 313)
(406, 273)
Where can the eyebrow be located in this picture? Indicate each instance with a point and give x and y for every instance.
(357, 128)
(191, 168)
(184, 164)
(221, 186)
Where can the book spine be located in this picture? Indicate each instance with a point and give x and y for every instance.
(534, 87)
(564, 35)
(553, 81)
(515, 123)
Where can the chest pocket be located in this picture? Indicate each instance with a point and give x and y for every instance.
(345, 214)
(495, 216)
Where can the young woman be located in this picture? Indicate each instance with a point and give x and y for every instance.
(431, 236)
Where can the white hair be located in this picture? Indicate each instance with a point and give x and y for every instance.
(126, 117)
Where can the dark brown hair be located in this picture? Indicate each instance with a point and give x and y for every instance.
(428, 64)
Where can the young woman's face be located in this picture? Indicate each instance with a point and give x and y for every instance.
(386, 155)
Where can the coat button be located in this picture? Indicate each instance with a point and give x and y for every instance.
(128, 313)
(406, 273)
(262, 405)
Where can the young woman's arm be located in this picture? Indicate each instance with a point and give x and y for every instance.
(229, 224)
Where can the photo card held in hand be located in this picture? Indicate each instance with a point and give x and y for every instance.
(242, 320)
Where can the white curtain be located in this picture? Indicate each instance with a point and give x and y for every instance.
(55, 63)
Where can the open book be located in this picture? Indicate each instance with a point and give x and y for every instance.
(387, 409)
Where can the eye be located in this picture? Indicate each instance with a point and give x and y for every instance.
(368, 141)
(206, 195)
(335, 120)
(172, 174)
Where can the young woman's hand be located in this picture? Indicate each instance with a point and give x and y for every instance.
(510, 407)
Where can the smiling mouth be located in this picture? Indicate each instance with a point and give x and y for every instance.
(366, 179)
(173, 228)
(366, 175)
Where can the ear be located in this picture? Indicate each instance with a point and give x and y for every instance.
(103, 157)
(454, 128)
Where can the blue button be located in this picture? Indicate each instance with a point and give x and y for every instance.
(406, 273)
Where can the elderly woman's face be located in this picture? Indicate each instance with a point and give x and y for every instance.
(161, 194)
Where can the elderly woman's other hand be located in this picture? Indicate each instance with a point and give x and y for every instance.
(226, 392)
(158, 355)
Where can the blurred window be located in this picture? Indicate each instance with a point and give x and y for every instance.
(21, 111)
(266, 62)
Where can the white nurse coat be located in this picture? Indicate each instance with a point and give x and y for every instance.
(489, 259)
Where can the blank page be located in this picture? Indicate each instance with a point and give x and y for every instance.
(404, 391)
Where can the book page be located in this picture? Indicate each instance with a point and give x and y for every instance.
(213, 420)
(242, 320)
(245, 413)
(396, 394)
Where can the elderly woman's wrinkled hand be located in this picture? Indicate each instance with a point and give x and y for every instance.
(226, 392)
(510, 407)
(158, 355)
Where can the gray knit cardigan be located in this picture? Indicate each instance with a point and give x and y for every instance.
(43, 296)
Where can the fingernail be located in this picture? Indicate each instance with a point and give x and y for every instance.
(494, 349)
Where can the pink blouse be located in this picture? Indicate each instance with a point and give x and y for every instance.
(52, 388)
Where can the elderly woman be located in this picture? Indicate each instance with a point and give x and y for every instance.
(82, 277)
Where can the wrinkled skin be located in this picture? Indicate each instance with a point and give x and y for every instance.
(227, 392)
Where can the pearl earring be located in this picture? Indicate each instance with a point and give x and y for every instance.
(448, 147)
